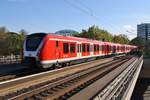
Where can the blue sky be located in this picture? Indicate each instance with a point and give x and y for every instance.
(116, 16)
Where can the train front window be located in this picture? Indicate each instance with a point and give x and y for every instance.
(33, 41)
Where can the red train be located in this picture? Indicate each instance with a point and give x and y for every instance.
(45, 50)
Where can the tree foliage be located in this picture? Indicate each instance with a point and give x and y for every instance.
(138, 41)
(94, 32)
(11, 42)
(122, 39)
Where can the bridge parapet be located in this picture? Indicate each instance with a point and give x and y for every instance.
(10, 59)
(122, 86)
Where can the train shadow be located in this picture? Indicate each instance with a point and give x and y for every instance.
(142, 89)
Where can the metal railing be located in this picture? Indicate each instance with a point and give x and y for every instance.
(10, 59)
(116, 90)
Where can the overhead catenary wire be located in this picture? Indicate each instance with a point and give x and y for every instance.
(77, 7)
(84, 10)
(85, 6)
(131, 33)
(89, 11)
(94, 15)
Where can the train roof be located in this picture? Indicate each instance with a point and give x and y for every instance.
(69, 38)
(74, 38)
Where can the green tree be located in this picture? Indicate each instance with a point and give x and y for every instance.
(11, 42)
(94, 32)
(21, 37)
(138, 41)
(122, 39)
(3, 36)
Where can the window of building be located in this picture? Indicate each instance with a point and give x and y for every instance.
(72, 48)
(65, 48)
(83, 47)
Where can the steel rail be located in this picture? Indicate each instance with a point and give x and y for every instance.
(25, 82)
(72, 81)
(92, 90)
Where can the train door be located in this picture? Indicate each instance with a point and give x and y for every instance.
(100, 49)
(57, 50)
(114, 49)
(107, 49)
(79, 50)
(91, 49)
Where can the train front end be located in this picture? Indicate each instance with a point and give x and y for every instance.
(31, 49)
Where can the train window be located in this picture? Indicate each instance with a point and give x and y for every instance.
(56, 43)
(72, 48)
(94, 47)
(113, 49)
(107, 47)
(33, 41)
(88, 48)
(83, 47)
(97, 47)
(118, 48)
(103, 47)
(110, 48)
(65, 47)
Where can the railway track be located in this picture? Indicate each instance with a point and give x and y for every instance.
(19, 73)
(28, 71)
(66, 86)
(6, 77)
(26, 81)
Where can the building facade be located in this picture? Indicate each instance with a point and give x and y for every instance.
(66, 32)
(143, 30)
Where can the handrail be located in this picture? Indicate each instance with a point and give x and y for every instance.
(10, 59)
